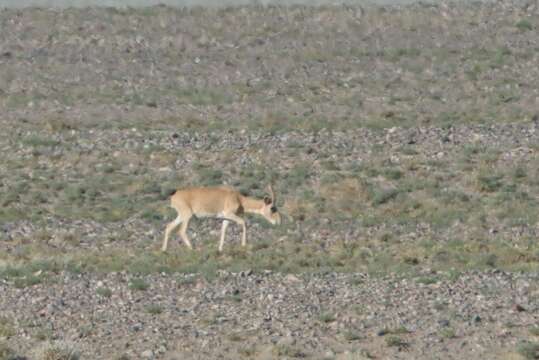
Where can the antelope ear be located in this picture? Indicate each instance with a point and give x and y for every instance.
(267, 200)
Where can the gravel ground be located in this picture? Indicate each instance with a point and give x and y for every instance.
(264, 316)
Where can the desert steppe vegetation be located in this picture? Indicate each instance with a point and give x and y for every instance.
(402, 142)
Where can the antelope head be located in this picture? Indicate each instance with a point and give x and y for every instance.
(270, 211)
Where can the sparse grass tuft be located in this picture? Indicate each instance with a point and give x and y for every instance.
(30, 274)
(520, 173)
(289, 351)
(489, 183)
(203, 96)
(138, 284)
(399, 330)
(6, 352)
(27, 281)
(352, 335)
(154, 309)
(122, 357)
(395, 341)
(427, 280)
(7, 329)
(235, 337)
(393, 174)
(448, 333)
(528, 350)
(247, 351)
(208, 176)
(44, 334)
(297, 176)
(524, 25)
(394, 331)
(104, 292)
(37, 141)
(383, 196)
(327, 317)
(235, 298)
(58, 351)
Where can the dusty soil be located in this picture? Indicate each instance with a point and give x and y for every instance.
(402, 142)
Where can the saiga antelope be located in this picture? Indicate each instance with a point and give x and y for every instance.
(221, 202)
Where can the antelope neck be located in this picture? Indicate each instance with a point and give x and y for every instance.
(251, 205)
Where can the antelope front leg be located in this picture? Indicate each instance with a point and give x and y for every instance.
(238, 220)
(223, 234)
(183, 233)
(170, 227)
(244, 235)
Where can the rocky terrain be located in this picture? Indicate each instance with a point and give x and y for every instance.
(266, 316)
(402, 143)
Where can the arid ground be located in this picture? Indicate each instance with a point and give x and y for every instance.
(402, 142)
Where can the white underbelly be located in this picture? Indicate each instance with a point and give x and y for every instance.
(210, 215)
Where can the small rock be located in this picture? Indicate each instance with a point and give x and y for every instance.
(329, 354)
(148, 354)
(519, 308)
(292, 278)
(246, 273)
(286, 341)
(443, 323)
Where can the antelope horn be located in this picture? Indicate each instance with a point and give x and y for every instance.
(272, 194)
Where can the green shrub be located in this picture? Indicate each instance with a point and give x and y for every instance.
(6, 328)
(154, 309)
(529, 350)
(395, 341)
(104, 292)
(58, 351)
(384, 196)
(490, 183)
(326, 317)
(524, 25)
(138, 284)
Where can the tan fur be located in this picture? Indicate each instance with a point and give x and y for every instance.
(222, 202)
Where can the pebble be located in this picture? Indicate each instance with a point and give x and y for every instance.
(148, 354)
(443, 323)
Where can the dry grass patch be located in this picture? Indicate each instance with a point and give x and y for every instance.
(58, 351)
(7, 328)
(528, 350)
(6, 352)
(346, 195)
